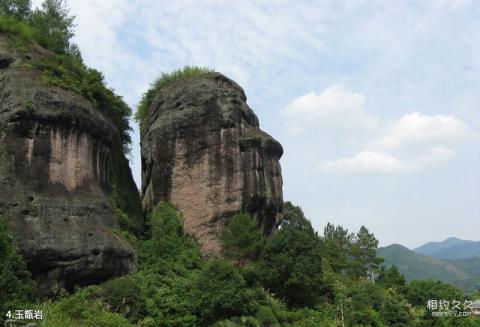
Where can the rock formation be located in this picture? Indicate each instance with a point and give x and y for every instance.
(55, 157)
(203, 150)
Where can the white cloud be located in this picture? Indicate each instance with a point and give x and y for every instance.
(372, 161)
(436, 155)
(415, 128)
(334, 106)
(365, 161)
(411, 143)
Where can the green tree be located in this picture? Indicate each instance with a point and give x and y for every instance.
(20, 9)
(220, 292)
(242, 239)
(364, 261)
(395, 311)
(16, 286)
(54, 25)
(291, 266)
(367, 318)
(391, 278)
(124, 296)
(362, 302)
(419, 292)
(294, 216)
(337, 246)
(166, 239)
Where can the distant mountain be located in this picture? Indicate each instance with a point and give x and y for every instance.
(470, 266)
(464, 273)
(432, 247)
(419, 266)
(451, 248)
(459, 251)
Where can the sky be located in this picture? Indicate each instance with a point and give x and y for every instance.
(376, 103)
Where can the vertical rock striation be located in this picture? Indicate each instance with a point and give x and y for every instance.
(203, 150)
(55, 159)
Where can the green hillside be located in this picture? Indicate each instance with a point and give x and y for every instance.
(470, 266)
(452, 248)
(458, 251)
(418, 266)
(431, 247)
(464, 274)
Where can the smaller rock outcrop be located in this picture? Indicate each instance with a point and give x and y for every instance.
(203, 150)
(55, 159)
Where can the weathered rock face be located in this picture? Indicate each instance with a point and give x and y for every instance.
(203, 150)
(55, 153)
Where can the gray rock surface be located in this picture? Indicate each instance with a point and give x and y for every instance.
(55, 152)
(203, 150)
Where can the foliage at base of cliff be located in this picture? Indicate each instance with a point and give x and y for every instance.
(300, 279)
(124, 195)
(16, 287)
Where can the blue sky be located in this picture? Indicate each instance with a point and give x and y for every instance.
(375, 102)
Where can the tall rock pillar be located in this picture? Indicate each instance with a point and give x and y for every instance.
(203, 150)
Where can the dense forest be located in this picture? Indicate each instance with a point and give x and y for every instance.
(296, 277)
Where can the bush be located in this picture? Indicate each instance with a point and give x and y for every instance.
(266, 317)
(164, 80)
(220, 292)
(418, 292)
(168, 295)
(395, 311)
(19, 9)
(391, 278)
(169, 262)
(293, 216)
(124, 296)
(238, 322)
(242, 239)
(124, 196)
(310, 318)
(167, 240)
(70, 73)
(51, 26)
(16, 285)
(21, 31)
(83, 308)
(291, 266)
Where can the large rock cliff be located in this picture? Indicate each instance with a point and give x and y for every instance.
(203, 150)
(55, 167)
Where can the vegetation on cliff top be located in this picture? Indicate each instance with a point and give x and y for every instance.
(70, 73)
(51, 27)
(164, 80)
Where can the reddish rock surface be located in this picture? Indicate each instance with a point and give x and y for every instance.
(55, 162)
(203, 150)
